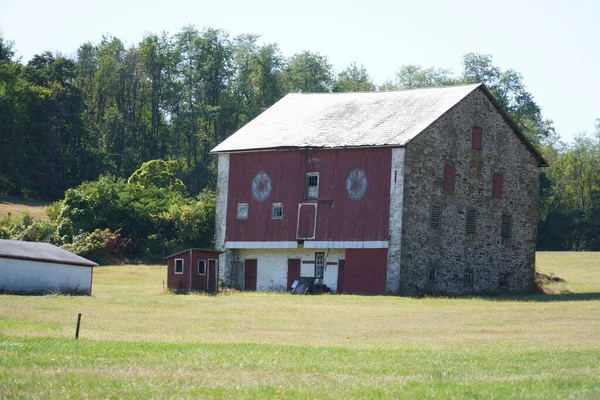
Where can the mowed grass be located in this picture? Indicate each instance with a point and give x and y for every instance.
(16, 206)
(138, 342)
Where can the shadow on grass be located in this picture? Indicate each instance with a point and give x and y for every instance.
(545, 298)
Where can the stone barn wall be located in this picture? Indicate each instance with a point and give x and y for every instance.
(450, 251)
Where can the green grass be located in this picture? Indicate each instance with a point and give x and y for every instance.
(16, 206)
(138, 342)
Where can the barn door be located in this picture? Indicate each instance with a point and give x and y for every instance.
(340, 281)
(250, 275)
(307, 219)
(293, 272)
(212, 277)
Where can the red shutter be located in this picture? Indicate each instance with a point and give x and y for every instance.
(497, 188)
(449, 178)
(476, 139)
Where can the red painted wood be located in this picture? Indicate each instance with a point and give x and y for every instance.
(476, 138)
(340, 280)
(365, 271)
(306, 221)
(338, 216)
(497, 186)
(250, 275)
(211, 277)
(293, 272)
(449, 178)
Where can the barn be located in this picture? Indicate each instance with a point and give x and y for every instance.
(408, 192)
(29, 267)
(193, 269)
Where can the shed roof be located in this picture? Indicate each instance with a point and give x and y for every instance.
(36, 251)
(348, 119)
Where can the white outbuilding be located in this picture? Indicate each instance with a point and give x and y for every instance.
(30, 267)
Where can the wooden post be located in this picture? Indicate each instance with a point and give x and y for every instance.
(78, 322)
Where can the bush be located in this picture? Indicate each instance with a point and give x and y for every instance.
(100, 245)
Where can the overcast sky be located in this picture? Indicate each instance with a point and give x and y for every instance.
(555, 45)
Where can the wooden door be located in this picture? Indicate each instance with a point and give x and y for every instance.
(250, 275)
(211, 276)
(340, 280)
(307, 217)
(293, 272)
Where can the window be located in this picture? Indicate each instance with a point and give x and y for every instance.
(435, 219)
(471, 221)
(178, 266)
(497, 186)
(242, 211)
(312, 185)
(468, 277)
(476, 138)
(432, 274)
(277, 211)
(505, 229)
(319, 264)
(201, 267)
(449, 178)
(503, 281)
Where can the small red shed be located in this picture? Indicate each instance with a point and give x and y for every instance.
(193, 269)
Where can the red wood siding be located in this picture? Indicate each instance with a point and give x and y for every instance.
(250, 273)
(365, 271)
(338, 216)
(476, 139)
(497, 186)
(449, 178)
(306, 221)
(182, 281)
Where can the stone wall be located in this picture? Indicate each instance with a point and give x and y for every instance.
(449, 250)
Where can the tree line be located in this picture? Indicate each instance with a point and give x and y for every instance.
(110, 108)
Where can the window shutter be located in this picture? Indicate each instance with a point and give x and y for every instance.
(449, 178)
(497, 186)
(435, 220)
(476, 138)
(471, 220)
(506, 226)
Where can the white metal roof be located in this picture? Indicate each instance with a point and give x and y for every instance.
(332, 120)
(36, 251)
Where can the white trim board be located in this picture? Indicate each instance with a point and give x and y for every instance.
(261, 245)
(357, 244)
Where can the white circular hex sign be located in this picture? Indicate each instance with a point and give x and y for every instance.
(356, 184)
(261, 186)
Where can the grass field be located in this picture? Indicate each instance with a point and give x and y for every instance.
(138, 342)
(16, 206)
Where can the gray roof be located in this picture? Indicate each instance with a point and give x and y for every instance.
(332, 120)
(36, 251)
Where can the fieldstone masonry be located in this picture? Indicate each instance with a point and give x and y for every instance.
(450, 251)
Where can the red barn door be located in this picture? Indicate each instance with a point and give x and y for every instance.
(307, 217)
(250, 275)
(340, 281)
(293, 272)
(212, 276)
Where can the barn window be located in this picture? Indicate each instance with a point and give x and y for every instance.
(476, 138)
(319, 264)
(449, 178)
(277, 211)
(506, 228)
(178, 268)
(503, 281)
(497, 186)
(435, 219)
(471, 221)
(201, 267)
(433, 274)
(468, 277)
(242, 211)
(312, 185)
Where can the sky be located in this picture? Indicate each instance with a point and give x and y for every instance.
(553, 44)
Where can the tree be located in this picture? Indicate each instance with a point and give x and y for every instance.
(307, 72)
(412, 76)
(354, 79)
(158, 174)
